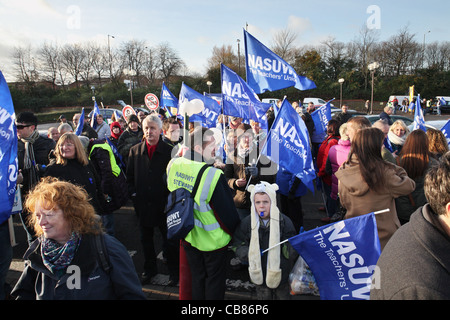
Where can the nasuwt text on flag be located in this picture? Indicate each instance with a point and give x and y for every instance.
(266, 71)
(239, 100)
(288, 145)
(342, 256)
(208, 108)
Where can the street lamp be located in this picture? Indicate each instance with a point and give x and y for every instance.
(209, 84)
(130, 73)
(423, 48)
(372, 67)
(239, 57)
(110, 58)
(341, 81)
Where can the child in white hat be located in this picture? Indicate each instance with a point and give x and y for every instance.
(263, 228)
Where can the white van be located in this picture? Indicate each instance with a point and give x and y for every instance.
(270, 100)
(317, 102)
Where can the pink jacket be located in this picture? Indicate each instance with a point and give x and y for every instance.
(337, 156)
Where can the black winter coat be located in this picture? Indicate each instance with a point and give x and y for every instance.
(84, 176)
(114, 187)
(121, 283)
(146, 181)
(42, 148)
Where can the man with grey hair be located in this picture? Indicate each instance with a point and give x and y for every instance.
(64, 127)
(146, 167)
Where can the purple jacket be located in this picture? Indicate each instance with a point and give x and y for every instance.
(336, 156)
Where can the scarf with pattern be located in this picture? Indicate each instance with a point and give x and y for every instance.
(58, 257)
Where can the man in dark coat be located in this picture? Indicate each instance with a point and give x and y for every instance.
(415, 264)
(33, 156)
(146, 169)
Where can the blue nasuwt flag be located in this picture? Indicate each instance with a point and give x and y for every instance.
(419, 121)
(321, 116)
(342, 257)
(239, 100)
(446, 131)
(266, 71)
(95, 113)
(168, 100)
(208, 108)
(80, 124)
(8, 151)
(288, 145)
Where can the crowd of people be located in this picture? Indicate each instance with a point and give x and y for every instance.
(71, 185)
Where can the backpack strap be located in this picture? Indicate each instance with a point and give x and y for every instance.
(102, 253)
(197, 181)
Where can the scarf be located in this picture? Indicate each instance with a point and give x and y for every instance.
(57, 257)
(150, 149)
(394, 139)
(273, 275)
(29, 162)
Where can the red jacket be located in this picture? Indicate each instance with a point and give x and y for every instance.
(322, 156)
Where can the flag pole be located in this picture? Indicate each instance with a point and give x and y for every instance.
(265, 142)
(284, 241)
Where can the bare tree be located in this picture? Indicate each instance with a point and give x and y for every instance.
(365, 46)
(73, 57)
(26, 65)
(402, 53)
(134, 52)
(100, 64)
(50, 62)
(284, 44)
(168, 61)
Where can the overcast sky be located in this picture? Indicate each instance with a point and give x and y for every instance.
(194, 27)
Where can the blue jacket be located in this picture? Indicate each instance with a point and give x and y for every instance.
(94, 283)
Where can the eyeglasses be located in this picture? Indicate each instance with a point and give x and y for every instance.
(21, 126)
(69, 145)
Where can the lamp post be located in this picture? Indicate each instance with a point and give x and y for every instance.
(209, 84)
(372, 67)
(110, 57)
(341, 81)
(239, 57)
(423, 48)
(130, 73)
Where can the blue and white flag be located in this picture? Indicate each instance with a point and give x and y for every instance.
(266, 71)
(8, 151)
(419, 121)
(168, 100)
(446, 131)
(207, 109)
(95, 113)
(342, 256)
(442, 101)
(288, 145)
(321, 116)
(239, 100)
(80, 124)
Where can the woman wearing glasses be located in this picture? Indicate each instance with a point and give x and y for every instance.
(72, 165)
(72, 259)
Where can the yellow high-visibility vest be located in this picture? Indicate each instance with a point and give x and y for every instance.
(207, 235)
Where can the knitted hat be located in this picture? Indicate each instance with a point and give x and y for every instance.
(132, 117)
(273, 276)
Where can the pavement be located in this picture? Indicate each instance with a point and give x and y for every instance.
(239, 286)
